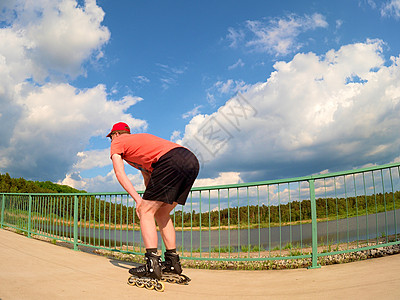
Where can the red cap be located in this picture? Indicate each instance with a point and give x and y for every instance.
(119, 126)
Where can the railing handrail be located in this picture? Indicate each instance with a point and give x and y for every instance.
(297, 179)
(79, 201)
(238, 185)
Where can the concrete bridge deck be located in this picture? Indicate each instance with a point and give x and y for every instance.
(33, 269)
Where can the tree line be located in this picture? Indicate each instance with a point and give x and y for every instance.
(21, 185)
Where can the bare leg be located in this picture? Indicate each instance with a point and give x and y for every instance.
(148, 210)
(165, 224)
(159, 211)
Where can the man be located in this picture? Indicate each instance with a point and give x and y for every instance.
(169, 171)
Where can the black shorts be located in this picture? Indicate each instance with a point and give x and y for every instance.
(172, 177)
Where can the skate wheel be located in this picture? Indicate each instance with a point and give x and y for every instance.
(185, 279)
(171, 280)
(131, 280)
(160, 287)
(139, 284)
(149, 285)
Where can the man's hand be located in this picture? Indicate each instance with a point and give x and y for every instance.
(138, 205)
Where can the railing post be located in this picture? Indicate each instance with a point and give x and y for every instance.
(30, 216)
(76, 206)
(3, 204)
(314, 229)
(162, 250)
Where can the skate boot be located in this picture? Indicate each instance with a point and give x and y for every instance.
(172, 270)
(148, 275)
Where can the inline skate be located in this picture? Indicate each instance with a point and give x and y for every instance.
(172, 270)
(148, 275)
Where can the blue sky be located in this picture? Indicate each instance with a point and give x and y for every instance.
(258, 89)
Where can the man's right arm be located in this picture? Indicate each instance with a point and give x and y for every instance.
(123, 179)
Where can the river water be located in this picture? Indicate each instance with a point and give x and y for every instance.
(330, 232)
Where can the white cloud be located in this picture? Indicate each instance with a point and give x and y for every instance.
(388, 8)
(222, 179)
(277, 36)
(176, 136)
(92, 159)
(230, 86)
(310, 115)
(101, 184)
(192, 113)
(59, 35)
(339, 24)
(235, 36)
(211, 99)
(391, 9)
(56, 122)
(172, 70)
(141, 79)
(167, 82)
(170, 75)
(371, 3)
(239, 63)
(48, 120)
(224, 89)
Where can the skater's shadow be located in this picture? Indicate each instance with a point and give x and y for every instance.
(124, 264)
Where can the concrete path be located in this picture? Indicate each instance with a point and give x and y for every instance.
(33, 269)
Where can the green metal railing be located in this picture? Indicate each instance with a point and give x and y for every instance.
(290, 219)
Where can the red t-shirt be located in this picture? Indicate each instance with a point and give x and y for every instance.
(141, 150)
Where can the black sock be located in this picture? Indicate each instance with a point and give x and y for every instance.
(171, 250)
(151, 251)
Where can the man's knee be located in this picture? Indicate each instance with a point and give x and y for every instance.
(161, 216)
(150, 207)
(163, 213)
